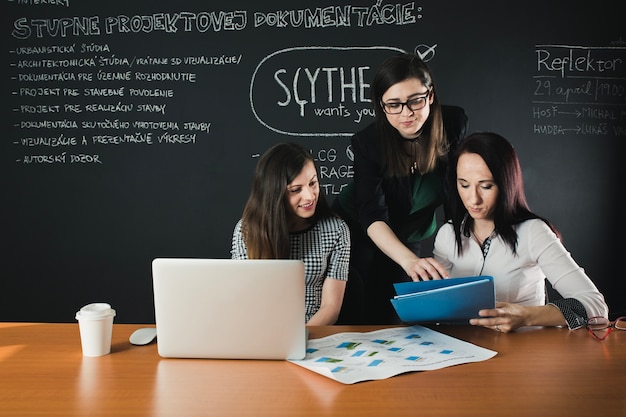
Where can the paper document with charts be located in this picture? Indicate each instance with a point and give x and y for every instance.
(355, 357)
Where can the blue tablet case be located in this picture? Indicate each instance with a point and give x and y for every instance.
(444, 300)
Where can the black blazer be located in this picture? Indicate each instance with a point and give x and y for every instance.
(390, 199)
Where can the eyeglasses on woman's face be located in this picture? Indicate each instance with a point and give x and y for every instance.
(601, 327)
(414, 104)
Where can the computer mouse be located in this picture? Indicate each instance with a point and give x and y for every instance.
(143, 336)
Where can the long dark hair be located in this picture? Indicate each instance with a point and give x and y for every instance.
(511, 206)
(433, 144)
(264, 219)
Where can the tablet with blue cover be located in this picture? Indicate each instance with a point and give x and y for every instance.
(444, 300)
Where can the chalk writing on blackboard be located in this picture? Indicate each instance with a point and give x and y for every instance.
(77, 110)
(77, 86)
(334, 173)
(216, 21)
(579, 90)
(293, 90)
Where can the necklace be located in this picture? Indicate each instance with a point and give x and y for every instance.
(480, 241)
(414, 143)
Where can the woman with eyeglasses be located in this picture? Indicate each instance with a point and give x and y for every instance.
(399, 168)
(492, 231)
(286, 217)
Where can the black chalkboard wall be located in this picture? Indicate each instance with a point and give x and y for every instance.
(132, 128)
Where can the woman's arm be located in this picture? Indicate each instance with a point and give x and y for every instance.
(417, 268)
(444, 246)
(507, 317)
(334, 285)
(332, 298)
(581, 298)
(238, 247)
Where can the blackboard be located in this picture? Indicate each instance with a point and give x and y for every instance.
(132, 128)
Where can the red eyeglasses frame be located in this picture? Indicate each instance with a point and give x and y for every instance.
(598, 324)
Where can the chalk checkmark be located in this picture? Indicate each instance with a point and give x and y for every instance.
(425, 52)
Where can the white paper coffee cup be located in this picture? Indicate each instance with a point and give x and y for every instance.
(96, 327)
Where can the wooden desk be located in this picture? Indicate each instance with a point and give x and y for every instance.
(537, 372)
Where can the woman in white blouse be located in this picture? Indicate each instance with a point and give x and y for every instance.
(493, 232)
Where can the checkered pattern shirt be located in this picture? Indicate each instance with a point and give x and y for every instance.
(325, 250)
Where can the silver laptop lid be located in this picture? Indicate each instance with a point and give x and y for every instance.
(229, 309)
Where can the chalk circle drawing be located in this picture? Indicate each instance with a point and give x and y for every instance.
(316, 90)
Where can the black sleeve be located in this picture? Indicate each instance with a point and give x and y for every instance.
(370, 198)
(573, 311)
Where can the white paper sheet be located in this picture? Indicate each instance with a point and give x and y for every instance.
(355, 357)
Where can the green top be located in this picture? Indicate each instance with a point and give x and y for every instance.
(420, 224)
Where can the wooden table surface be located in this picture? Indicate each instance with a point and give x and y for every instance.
(537, 372)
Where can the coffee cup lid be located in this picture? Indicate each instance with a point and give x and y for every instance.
(95, 311)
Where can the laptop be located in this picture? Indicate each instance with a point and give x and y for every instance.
(229, 309)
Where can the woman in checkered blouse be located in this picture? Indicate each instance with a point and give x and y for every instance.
(286, 217)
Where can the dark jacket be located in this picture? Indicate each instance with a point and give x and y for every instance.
(373, 197)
